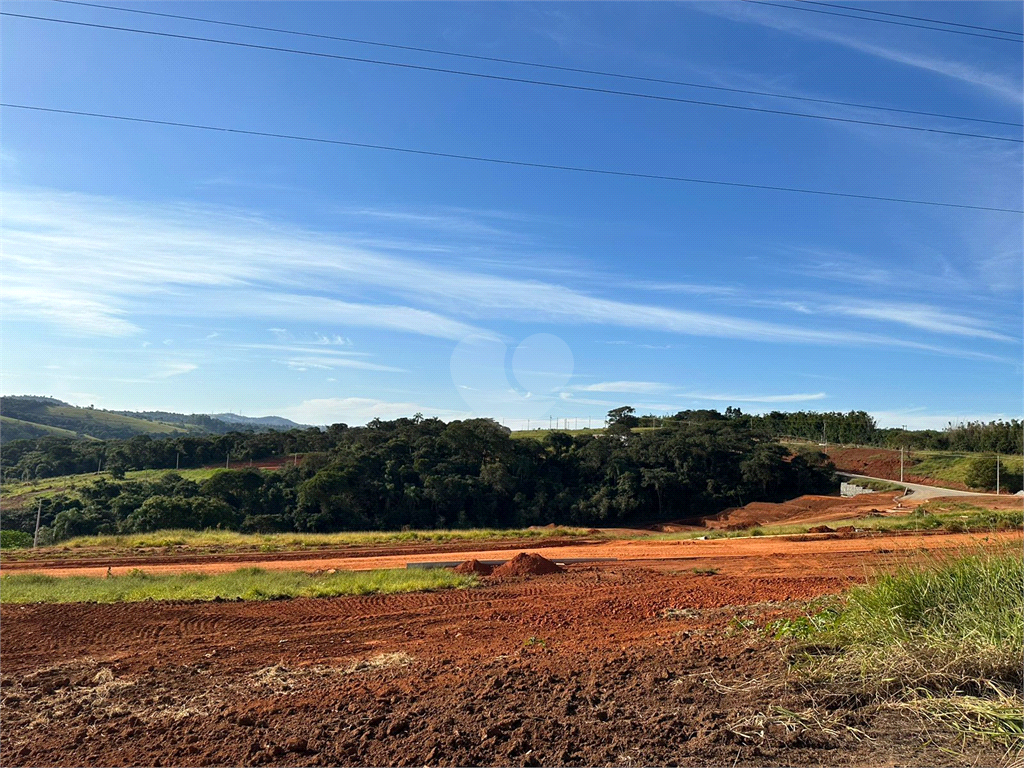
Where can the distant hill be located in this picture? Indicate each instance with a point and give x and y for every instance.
(29, 417)
(268, 422)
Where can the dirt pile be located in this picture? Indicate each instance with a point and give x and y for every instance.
(474, 566)
(820, 529)
(527, 564)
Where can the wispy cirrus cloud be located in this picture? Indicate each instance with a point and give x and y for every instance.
(636, 387)
(722, 398)
(999, 84)
(122, 262)
(359, 410)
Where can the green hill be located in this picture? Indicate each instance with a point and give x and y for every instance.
(30, 417)
(16, 429)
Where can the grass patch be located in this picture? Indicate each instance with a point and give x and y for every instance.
(950, 516)
(944, 639)
(243, 584)
(277, 542)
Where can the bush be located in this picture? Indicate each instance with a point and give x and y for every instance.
(15, 539)
(981, 474)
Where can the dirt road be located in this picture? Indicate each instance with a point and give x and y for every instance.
(926, 491)
(829, 553)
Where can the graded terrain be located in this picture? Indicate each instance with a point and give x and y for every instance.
(660, 657)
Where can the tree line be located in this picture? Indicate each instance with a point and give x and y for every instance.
(423, 473)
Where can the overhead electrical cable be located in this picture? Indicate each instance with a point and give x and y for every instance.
(539, 65)
(504, 78)
(885, 21)
(511, 162)
(914, 18)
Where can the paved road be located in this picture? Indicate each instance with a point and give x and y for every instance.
(922, 491)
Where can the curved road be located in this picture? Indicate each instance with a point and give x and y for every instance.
(924, 491)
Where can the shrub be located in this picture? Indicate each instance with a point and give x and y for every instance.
(15, 539)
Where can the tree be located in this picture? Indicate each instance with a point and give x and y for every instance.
(623, 416)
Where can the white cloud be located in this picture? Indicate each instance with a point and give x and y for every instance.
(638, 387)
(921, 316)
(1002, 85)
(796, 398)
(117, 261)
(359, 410)
(915, 419)
(328, 362)
(69, 309)
(169, 369)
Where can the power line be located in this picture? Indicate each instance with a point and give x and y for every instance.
(540, 65)
(505, 161)
(505, 78)
(884, 21)
(914, 18)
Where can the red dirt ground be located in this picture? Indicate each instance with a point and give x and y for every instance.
(609, 664)
(884, 463)
(803, 510)
(789, 555)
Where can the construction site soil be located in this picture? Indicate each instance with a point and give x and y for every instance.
(622, 663)
(884, 463)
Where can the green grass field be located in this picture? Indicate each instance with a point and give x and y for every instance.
(16, 429)
(243, 584)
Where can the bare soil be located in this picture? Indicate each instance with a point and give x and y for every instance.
(803, 510)
(776, 555)
(612, 665)
(884, 463)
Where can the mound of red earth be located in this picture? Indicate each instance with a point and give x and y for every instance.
(525, 564)
(474, 566)
(820, 529)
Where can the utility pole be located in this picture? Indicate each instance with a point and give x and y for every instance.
(177, 461)
(39, 512)
(901, 463)
(997, 474)
(227, 460)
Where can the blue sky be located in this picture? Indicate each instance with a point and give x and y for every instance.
(149, 267)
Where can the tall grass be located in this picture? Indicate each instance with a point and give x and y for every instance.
(243, 584)
(272, 542)
(945, 639)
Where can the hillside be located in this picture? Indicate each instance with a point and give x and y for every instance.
(16, 429)
(259, 422)
(48, 414)
(31, 417)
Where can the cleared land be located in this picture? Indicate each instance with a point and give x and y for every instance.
(942, 468)
(612, 664)
(684, 651)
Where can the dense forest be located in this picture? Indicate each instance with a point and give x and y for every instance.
(423, 473)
